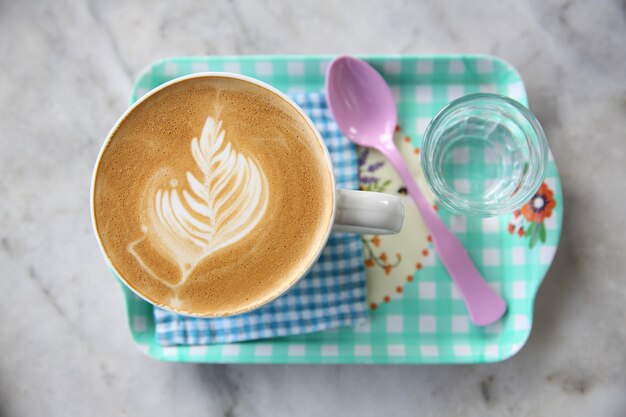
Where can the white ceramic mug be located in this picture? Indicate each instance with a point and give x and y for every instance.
(353, 211)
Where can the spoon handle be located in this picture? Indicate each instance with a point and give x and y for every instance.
(484, 305)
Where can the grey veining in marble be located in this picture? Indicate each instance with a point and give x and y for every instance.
(65, 72)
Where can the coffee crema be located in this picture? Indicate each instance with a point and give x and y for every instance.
(212, 196)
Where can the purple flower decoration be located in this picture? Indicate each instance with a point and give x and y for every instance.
(363, 157)
(368, 180)
(375, 166)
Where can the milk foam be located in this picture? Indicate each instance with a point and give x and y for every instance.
(216, 210)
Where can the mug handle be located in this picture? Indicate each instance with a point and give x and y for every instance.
(368, 212)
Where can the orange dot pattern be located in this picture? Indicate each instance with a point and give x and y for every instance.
(377, 241)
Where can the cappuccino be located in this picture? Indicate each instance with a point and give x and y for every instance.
(212, 196)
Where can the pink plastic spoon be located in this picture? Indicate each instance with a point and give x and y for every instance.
(365, 111)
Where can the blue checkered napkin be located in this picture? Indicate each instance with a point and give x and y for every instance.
(331, 295)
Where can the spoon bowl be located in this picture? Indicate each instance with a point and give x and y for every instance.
(361, 102)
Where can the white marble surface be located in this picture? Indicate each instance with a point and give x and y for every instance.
(65, 73)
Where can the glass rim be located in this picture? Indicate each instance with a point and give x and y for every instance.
(450, 200)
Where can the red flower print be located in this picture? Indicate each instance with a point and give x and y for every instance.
(540, 206)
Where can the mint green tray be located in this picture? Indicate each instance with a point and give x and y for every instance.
(426, 322)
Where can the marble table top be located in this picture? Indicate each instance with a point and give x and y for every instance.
(65, 73)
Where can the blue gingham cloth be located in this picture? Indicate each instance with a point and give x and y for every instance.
(331, 295)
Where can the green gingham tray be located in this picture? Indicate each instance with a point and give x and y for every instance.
(416, 314)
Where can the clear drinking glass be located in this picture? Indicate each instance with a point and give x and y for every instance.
(484, 155)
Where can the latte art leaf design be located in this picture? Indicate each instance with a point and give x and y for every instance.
(216, 208)
(222, 206)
